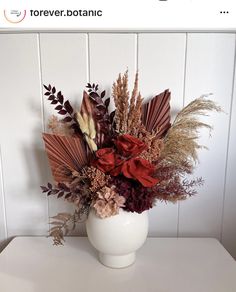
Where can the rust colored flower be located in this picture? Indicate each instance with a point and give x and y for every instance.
(106, 159)
(138, 169)
(128, 145)
(125, 161)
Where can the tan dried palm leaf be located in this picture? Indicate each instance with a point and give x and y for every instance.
(156, 113)
(64, 152)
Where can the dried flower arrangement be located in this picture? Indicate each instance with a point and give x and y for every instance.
(129, 158)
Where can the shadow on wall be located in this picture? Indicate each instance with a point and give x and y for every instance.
(34, 154)
(4, 243)
(38, 172)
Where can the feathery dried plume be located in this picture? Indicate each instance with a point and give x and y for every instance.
(87, 127)
(152, 154)
(82, 123)
(136, 116)
(132, 101)
(128, 113)
(92, 131)
(121, 99)
(181, 140)
(58, 127)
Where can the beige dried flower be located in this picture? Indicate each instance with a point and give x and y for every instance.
(121, 98)
(57, 127)
(181, 141)
(128, 112)
(132, 101)
(87, 127)
(98, 179)
(153, 151)
(154, 144)
(108, 202)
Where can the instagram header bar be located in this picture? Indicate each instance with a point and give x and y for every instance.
(120, 15)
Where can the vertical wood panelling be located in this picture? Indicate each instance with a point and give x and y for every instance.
(64, 64)
(229, 218)
(111, 54)
(210, 59)
(161, 59)
(3, 231)
(21, 146)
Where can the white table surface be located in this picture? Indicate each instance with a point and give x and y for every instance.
(33, 264)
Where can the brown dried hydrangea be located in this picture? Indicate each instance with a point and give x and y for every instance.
(108, 202)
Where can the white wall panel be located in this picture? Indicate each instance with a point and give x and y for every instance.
(20, 122)
(229, 219)
(64, 65)
(210, 59)
(161, 63)
(111, 54)
(3, 231)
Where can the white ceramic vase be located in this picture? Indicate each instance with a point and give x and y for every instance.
(117, 237)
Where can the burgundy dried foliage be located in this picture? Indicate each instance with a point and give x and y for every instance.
(61, 190)
(101, 116)
(176, 189)
(172, 186)
(76, 192)
(63, 107)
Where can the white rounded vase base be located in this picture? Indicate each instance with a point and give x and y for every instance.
(117, 261)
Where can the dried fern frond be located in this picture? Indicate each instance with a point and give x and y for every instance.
(63, 223)
(180, 143)
(60, 227)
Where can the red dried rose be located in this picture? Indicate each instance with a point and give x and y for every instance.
(128, 145)
(131, 167)
(106, 159)
(138, 169)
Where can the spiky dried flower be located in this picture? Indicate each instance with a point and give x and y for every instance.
(154, 144)
(108, 202)
(121, 99)
(128, 113)
(153, 152)
(136, 116)
(133, 101)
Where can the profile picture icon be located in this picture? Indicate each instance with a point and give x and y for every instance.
(14, 15)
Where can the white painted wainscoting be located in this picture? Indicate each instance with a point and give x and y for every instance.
(189, 64)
